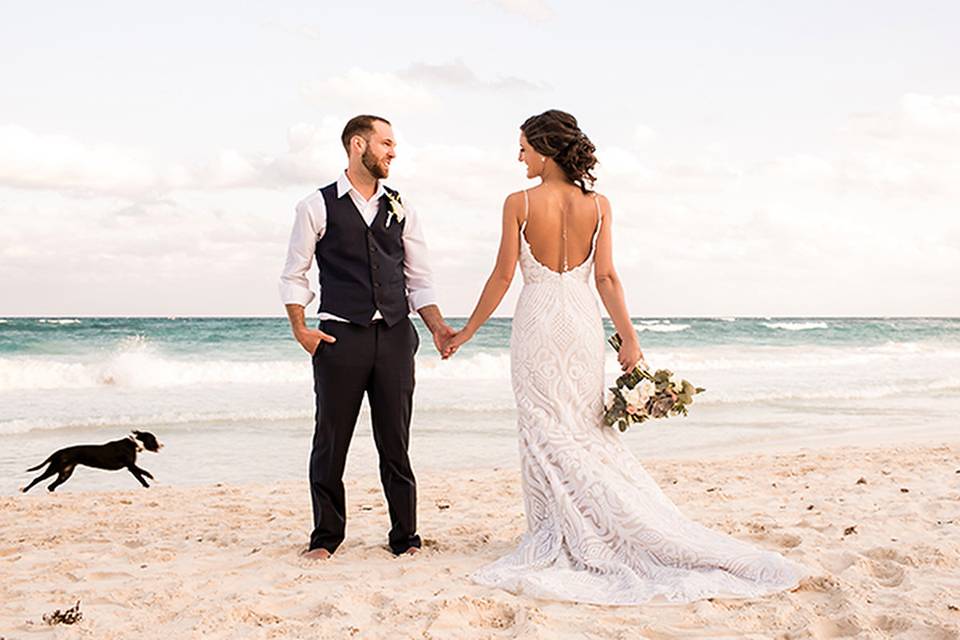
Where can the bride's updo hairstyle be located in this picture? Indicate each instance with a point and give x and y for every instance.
(555, 134)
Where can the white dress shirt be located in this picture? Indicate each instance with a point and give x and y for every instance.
(309, 226)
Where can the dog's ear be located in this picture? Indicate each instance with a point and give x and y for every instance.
(135, 432)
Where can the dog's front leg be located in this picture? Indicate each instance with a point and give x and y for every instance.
(138, 473)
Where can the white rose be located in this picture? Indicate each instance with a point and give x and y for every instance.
(632, 396)
(608, 399)
(646, 390)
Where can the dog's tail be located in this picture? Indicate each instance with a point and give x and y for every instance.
(41, 464)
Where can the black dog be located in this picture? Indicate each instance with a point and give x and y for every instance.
(118, 454)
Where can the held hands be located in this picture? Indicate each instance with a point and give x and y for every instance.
(443, 333)
(454, 342)
(311, 339)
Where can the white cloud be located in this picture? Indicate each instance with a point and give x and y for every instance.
(789, 233)
(617, 161)
(30, 160)
(932, 113)
(644, 133)
(364, 91)
(312, 151)
(457, 74)
(33, 160)
(912, 151)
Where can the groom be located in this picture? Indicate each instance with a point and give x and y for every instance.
(374, 270)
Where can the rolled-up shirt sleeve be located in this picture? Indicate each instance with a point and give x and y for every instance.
(308, 227)
(416, 263)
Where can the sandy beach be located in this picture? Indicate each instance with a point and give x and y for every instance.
(879, 530)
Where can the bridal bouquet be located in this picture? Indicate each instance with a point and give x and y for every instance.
(640, 395)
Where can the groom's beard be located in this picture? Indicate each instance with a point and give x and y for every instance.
(374, 165)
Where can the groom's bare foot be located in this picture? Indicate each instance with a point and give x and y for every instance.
(316, 554)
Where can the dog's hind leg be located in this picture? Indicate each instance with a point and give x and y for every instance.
(138, 473)
(63, 477)
(43, 476)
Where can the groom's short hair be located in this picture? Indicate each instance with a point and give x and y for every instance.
(359, 126)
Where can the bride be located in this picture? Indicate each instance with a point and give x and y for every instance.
(599, 529)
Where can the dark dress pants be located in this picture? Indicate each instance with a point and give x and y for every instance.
(377, 360)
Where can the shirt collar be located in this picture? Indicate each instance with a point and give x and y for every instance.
(344, 186)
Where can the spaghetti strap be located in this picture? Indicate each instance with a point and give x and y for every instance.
(526, 210)
(596, 233)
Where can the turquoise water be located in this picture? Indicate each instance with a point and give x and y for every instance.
(240, 390)
(271, 336)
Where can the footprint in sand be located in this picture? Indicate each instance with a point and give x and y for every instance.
(477, 614)
(887, 572)
(892, 624)
(837, 563)
(843, 627)
(827, 600)
(886, 553)
(786, 540)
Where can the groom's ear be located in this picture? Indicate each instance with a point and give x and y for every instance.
(357, 145)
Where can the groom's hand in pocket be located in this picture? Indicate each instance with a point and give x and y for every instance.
(313, 339)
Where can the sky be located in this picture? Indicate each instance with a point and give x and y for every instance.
(762, 159)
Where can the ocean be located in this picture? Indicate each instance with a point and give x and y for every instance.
(232, 398)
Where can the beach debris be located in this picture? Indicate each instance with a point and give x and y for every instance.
(70, 616)
(862, 480)
(712, 489)
(904, 490)
(809, 507)
(442, 504)
(850, 530)
(953, 607)
(366, 507)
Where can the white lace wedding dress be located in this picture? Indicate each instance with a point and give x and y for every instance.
(599, 529)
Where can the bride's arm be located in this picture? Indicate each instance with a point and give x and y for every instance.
(499, 281)
(611, 290)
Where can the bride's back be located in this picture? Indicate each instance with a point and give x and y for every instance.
(560, 223)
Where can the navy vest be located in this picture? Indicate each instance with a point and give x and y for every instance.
(361, 267)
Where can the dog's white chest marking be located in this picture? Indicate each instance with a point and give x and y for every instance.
(136, 443)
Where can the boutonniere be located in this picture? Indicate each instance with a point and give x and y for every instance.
(396, 209)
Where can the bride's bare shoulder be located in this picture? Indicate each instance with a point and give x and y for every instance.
(514, 206)
(602, 201)
(513, 199)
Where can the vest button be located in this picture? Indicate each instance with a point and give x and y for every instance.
(376, 284)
